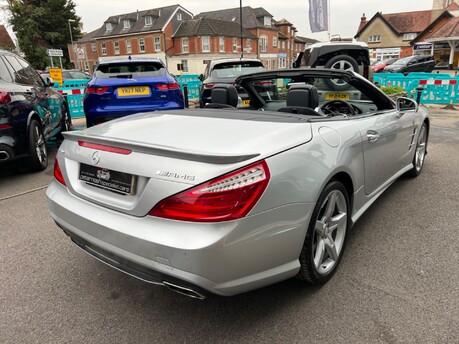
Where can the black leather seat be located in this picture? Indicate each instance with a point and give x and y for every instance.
(302, 99)
(223, 97)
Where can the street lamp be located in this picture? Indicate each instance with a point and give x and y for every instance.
(71, 41)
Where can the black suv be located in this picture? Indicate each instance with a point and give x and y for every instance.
(415, 63)
(225, 71)
(31, 112)
(346, 55)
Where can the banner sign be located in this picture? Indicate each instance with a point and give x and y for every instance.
(318, 15)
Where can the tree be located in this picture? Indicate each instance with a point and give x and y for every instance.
(41, 25)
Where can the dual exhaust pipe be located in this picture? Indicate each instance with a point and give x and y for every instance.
(184, 291)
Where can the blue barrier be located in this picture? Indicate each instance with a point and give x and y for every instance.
(73, 89)
(438, 88)
(193, 84)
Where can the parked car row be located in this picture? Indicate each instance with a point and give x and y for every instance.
(406, 65)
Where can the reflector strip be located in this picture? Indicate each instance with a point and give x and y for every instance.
(437, 82)
(105, 148)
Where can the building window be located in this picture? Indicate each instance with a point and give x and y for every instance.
(185, 48)
(264, 44)
(267, 21)
(409, 36)
(148, 21)
(288, 45)
(185, 66)
(374, 38)
(128, 46)
(179, 16)
(108, 27)
(157, 41)
(205, 43)
(93, 46)
(116, 47)
(274, 42)
(235, 45)
(283, 44)
(221, 44)
(141, 45)
(86, 65)
(126, 24)
(104, 48)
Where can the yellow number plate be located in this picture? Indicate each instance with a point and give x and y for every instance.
(246, 102)
(337, 96)
(133, 91)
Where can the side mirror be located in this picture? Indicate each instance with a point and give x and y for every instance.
(49, 81)
(405, 104)
(201, 77)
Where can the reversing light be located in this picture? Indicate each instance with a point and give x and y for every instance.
(225, 198)
(58, 173)
(104, 148)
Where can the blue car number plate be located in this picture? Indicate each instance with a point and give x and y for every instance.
(119, 182)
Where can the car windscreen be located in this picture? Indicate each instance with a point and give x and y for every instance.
(234, 69)
(129, 70)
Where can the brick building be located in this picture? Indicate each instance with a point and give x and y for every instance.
(185, 43)
(200, 40)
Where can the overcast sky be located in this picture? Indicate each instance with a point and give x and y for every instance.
(345, 14)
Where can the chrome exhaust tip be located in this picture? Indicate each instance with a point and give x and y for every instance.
(184, 291)
(4, 155)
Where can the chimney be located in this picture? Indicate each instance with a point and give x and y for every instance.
(363, 22)
(137, 14)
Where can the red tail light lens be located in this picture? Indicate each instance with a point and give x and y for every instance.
(58, 173)
(225, 198)
(96, 90)
(105, 148)
(5, 125)
(165, 87)
(5, 97)
(209, 86)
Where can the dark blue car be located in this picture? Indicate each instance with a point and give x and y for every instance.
(127, 86)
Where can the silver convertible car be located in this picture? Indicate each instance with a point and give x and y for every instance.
(225, 200)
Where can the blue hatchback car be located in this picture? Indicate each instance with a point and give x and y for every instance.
(127, 86)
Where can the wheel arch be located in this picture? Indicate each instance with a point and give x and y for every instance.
(33, 116)
(345, 179)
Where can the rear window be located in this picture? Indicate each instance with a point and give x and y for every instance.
(234, 69)
(129, 70)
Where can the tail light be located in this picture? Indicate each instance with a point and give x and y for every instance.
(209, 86)
(58, 173)
(5, 126)
(165, 87)
(225, 198)
(96, 90)
(5, 97)
(263, 83)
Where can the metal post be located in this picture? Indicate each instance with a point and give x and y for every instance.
(240, 17)
(71, 41)
(419, 90)
(185, 95)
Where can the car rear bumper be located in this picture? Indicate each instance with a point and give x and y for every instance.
(227, 258)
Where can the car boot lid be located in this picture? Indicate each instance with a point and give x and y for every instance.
(218, 137)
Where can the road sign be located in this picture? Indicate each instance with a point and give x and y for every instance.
(54, 52)
(56, 75)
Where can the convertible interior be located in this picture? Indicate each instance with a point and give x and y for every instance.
(304, 94)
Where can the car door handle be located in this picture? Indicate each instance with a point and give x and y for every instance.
(372, 136)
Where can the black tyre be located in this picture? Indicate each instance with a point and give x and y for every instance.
(66, 122)
(38, 156)
(341, 62)
(326, 236)
(420, 153)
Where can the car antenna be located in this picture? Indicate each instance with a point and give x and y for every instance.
(129, 58)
